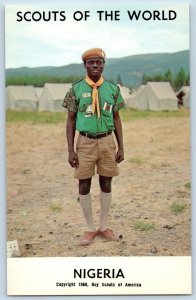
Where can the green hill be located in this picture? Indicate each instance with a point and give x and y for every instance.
(130, 68)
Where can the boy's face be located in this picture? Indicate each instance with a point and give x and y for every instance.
(94, 66)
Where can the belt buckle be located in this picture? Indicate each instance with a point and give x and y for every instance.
(93, 136)
(104, 134)
(90, 135)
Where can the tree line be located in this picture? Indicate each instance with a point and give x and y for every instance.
(39, 81)
(176, 80)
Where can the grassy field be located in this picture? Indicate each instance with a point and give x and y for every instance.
(129, 113)
(58, 117)
(35, 117)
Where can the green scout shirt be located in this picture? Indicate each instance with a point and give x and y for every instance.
(79, 100)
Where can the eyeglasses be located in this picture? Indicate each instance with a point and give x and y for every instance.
(98, 62)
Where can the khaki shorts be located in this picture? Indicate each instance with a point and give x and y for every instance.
(100, 152)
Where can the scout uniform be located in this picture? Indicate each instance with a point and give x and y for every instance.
(94, 104)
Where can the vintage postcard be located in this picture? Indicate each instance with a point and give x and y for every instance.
(98, 149)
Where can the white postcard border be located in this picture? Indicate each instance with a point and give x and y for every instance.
(142, 276)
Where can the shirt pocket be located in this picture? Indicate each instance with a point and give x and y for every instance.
(107, 108)
(83, 104)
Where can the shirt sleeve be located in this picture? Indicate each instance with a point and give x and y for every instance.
(119, 102)
(70, 101)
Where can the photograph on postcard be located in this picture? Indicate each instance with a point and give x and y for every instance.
(98, 131)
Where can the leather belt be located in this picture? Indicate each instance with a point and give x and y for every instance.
(95, 136)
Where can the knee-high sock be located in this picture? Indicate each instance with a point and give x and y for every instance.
(105, 203)
(86, 205)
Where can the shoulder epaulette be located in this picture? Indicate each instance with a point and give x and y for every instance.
(112, 83)
(77, 81)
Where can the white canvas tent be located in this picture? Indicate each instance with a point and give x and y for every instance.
(155, 96)
(125, 91)
(139, 99)
(184, 95)
(52, 97)
(21, 98)
(161, 96)
(39, 91)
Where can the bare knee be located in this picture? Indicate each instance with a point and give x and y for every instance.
(84, 186)
(105, 184)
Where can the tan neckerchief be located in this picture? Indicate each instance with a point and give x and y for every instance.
(95, 96)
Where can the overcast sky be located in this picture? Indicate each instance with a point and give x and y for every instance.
(57, 43)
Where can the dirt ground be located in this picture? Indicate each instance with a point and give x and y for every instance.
(42, 209)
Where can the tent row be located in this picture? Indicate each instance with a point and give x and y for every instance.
(157, 96)
(152, 96)
(29, 98)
